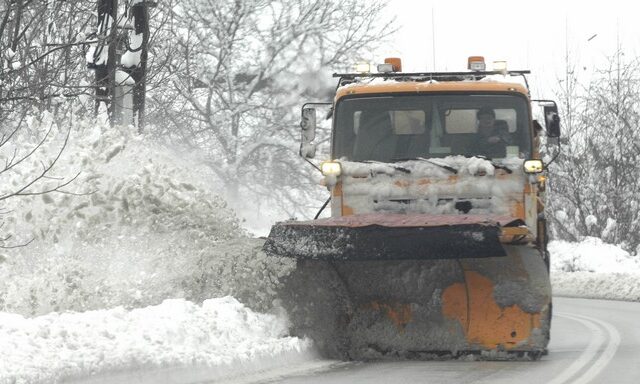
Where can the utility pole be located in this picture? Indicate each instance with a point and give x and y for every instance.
(102, 55)
(137, 69)
(125, 100)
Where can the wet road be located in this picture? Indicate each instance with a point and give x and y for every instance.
(593, 341)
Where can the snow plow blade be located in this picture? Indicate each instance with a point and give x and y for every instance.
(376, 286)
(390, 237)
(497, 308)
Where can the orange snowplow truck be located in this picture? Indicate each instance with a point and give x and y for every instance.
(436, 244)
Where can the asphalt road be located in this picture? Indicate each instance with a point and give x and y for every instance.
(592, 341)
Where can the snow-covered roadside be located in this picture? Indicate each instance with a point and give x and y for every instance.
(592, 285)
(222, 340)
(593, 269)
(150, 228)
(145, 225)
(219, 338)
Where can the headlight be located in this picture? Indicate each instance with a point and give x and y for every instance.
(533, 166)
(331, 168)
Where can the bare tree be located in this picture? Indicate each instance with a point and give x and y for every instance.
(41, 55)
(239, 72)
(42, 65)
(598, 191)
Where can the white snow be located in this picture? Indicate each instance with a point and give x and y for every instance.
(372, 186)
(592, 255)
(147, 226)
(220, 333)
(123, 78)
(593, 269)
(132, 59)
(103, 55)
(594, 285)
(590, 221)
(151, 240)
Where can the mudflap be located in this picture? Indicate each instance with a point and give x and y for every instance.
(494, 306)
(389, 237)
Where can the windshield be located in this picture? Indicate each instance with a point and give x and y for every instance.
(392, 128)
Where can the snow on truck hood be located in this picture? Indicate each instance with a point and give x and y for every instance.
(433, 185)
(432, 167)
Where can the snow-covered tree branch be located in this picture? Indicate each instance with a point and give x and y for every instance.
(241, 69)
(596, 192)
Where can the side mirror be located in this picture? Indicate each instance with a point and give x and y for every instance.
(551, 117)
(552, 120)
(308, 125)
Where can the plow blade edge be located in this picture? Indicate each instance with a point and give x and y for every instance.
(389, 237)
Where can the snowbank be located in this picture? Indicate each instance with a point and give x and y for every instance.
(593, 269)
(218, 334)
(593, 285)
(591, 255)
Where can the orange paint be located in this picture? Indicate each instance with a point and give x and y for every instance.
(484, 321)
(517, 210)
(399, 314)
(444, 86)
(402, 183)
(395, 62)
(337, 190)
(514, 231)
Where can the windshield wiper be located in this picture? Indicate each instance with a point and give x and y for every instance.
(495, 165)
(396, 167)
(444, 166)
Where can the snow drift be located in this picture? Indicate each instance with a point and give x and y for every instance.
(594, 269)
(221, 333)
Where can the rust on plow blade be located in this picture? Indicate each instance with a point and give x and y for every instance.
(380, 236)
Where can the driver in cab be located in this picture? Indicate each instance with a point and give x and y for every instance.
(493, 135)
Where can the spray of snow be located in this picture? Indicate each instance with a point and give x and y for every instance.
(146, 226)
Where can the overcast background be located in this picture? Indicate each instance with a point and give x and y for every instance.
(528, 35)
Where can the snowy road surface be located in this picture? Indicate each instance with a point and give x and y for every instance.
(593, 341)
